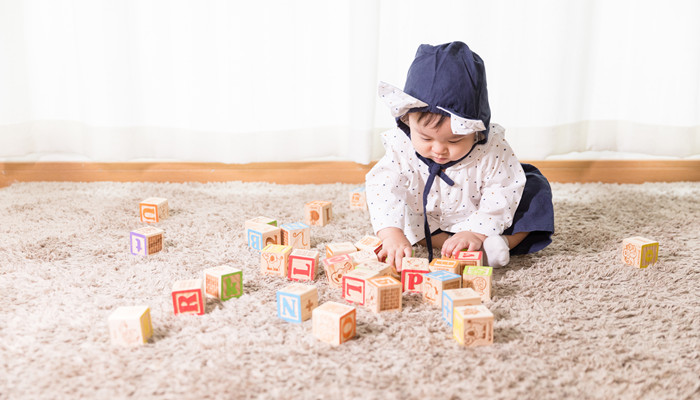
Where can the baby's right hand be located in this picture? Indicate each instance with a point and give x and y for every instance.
(395, 246)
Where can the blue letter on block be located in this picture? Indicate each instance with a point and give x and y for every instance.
(447, 308)
(255, 239)
(289, 307)
(442, 275)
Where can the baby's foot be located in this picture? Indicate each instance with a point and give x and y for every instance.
(497, 251)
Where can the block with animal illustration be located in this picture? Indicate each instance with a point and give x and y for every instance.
(640, 252)
(261, 235)
(383, 294)
(336, 267)
(369, 242)
(434, 283)
(318, 213)
(146, 241)
(334, 323)
(355, 285)
(223, 282)
(274, 259)
(473, 326)
(362, 256)
(452, 298)
(358, 198)
(188, 297)
(130, 325)
(303, 265)
(383, 269)
(479, 279)
(297, 235)
(445, 264)
(412, 271)
(469, 258)
(296, 302)
(153, 209)
(339, 248)
(258, 221)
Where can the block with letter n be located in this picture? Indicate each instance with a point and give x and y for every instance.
(303, 265)
(334, 323)
(296, 302)
(188, 297)
(223, 282)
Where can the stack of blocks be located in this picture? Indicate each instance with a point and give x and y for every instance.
(639, 252)
(130, 326)
(334, 323)
(296, 302)
(457, 298)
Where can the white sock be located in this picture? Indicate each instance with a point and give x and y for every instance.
(497, 251)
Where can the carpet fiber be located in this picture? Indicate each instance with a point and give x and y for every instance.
(570, 322)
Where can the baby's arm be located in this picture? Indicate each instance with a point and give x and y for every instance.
(395, 246)
(471, 241)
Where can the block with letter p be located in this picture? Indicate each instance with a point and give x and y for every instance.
(296, 302)
(412, 271)
(434, 283)
(303, 265)
(130, 325)
(334, 323)
(479, 279)
(297, 235)
(153, 209)
(188, 297)
(223, 282)
(639, 252)
(355, 285)
(452, 298)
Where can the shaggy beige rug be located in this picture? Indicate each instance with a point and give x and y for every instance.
(571, 321)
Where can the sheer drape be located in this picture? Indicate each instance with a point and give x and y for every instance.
(277, 80)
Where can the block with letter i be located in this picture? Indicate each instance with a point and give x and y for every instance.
(274, 259)
(434, 283)
(336, 267)
(469, 258)
(130, 326)
(473, 326)
(223, 282)
(153, 209)
(358, 198)
(412, 271)
(355, 285)
(318, 213)
(303, 265)
(258, 221)
(452, 298)
(297, 235)
(296, 302)
(383, 294)
(639, 252)
(261, 235)
(146, 241)
(334, 323)
(479, 279)
(188, 297)
(445, 264)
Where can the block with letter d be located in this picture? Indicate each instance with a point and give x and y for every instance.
(334, 323)
(223, 282)
(303, 265)
(153, 209)
(296, 302)
(188, 297)
(355, 285)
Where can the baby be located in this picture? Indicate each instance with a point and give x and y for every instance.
(448, 178)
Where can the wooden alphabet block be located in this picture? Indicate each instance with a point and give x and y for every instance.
(146, 241)
(296, 302)
(303, 265)
(153, 209)
(434, 283)
(362, 256)
(274, 259)
(258, 221)
(223, 282)
(383, 294)
(297, 235)
(358, 198)
(412, 271)
(355, 285)
(469, 258)
(188, 297)
(473, 326)
(383, 269)
(334, 323)
(639, 252)
(318, 213)
(452, 298)
(336, 267)
(261, 235)
(130, 326)
(445, 264)
(337, 249)
(479, 279)
(371, 243)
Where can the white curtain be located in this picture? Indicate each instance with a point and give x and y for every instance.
(275, 80)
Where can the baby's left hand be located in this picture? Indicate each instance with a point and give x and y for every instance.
(462, 240)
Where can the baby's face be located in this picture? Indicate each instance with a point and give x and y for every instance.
(438, 143)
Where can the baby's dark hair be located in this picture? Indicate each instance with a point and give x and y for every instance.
(427, 118)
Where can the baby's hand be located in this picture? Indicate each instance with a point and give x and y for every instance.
(395, 246)
(462, 240)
